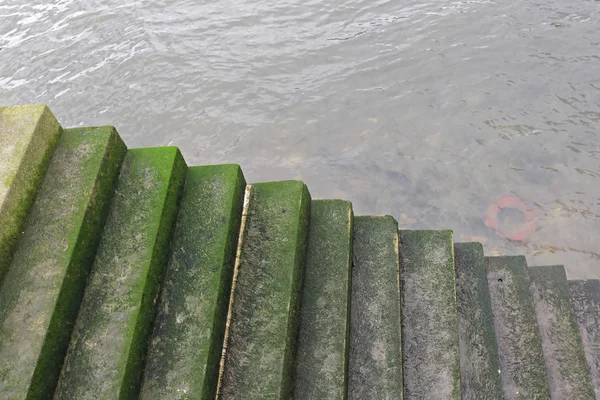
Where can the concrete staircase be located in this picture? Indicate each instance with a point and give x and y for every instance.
(126, 274)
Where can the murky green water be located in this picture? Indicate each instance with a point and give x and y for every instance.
(429, 111)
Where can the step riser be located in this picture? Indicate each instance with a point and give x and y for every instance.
(107, 348)
(43, 288)
(375, 361)
(263, 318)
(479, 362)
(568, 372)
(28, 138)
(429, 316)
(322, 359)
(184, 354)
(519, 343)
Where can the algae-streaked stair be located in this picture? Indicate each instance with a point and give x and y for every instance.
(517, 334)
(107, 348)
(28, 137)
(479, 364)
(585, 297)
(568, 372)
(43, 287)
(429, 316)
(375, 361)
(263, 321)
(184, 354)
(322, 359)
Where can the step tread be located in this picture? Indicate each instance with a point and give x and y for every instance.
(479, 363)
(519, 343)
(322, 359)
(568, 372)
(585, 297)
(429, 315)
(44, 285)
(28, 138)
(263, 318)
(375, 360)
(184, 353)
(108, 341)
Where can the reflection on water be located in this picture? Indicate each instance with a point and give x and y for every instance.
(425, 110)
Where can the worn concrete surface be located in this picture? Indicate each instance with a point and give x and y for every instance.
(322, 359)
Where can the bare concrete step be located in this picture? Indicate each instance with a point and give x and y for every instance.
(585, 297)
(322, 359)
(185, 349)
(375, 363)
(430, 341)
(28, 137)
(106, 353)
(264, 311)
(479, 363)
(519, 342)
(42, 290)
(568, 373)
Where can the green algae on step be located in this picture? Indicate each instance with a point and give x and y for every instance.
(429, 315)
(263, 318)
(107, 347)
(568, 372)
(585, 297)
(184, 353)
(28, 137)
(517, 334)
(375, 359)
(322, 359)
(479, 364)
(42, 290)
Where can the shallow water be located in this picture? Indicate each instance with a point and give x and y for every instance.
(429, 111)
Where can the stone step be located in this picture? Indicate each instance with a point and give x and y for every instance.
(28, 137)
(107, 347)
(585, 298)
(375, 361)
(322, 359)
(479, 363)
(184, 353)
(568, 372)
(519, 343)
(263, 316)
(42, 290)
(429, 315)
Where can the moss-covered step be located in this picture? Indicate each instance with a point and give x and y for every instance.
(28, 137)
(517, 333)
(263, 318)
(585, 298)
(568, 373)
(375, 359)
(480, 377)
(185, 349)
(42, 290)
(322, 359)
(429, 315)
(108, 343)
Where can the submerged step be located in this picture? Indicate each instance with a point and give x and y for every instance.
(322, 359)
(184, 353)
(107, 347)
(585, 297)
(568, 372)
(263, 317)
(375, 361)
(519, 343)
(479, 363)
(429, 316)
(42, 290)
(28, 137)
